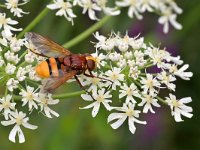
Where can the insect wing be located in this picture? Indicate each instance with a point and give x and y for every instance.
(45, 46)
(50, 84)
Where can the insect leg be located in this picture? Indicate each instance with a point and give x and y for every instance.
(83, 87)
(93, 76)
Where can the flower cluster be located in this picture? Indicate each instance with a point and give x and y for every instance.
(17, 70)
(123, 84)
(124, 69)
(167, 9)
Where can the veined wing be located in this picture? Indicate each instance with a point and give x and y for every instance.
(45, 46)
(50, 84)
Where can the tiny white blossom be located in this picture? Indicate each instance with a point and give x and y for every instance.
(21, 74)
(13, 6)
(115, 56)
(115, 76)
(10, 56)
(181, 71)
(145, 5)
(179, 108)
(65, 9)
(12, 84)
(30, 97)
(133, 7)
(130, 92)
(169, 17)
(149, 84)
(148, 101)
(101, 96)
(91, 7)
(44, 101)
(93, 83)
(107, 10)
(167, 79)
(134, 72)
(19, 119)
(126, 111)
(6, 105)
(16, 44)
(6, 23)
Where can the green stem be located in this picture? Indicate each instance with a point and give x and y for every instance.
(34, 22)
(3, 6)
(59, 96)
(68, 95)
(161, 100)
(86, 33)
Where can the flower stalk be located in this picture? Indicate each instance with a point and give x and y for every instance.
(87, 32)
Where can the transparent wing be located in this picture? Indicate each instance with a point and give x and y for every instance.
(45, 46)
(50, 84)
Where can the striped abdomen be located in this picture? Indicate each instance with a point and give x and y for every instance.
(50, 68)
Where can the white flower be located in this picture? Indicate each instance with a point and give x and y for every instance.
(44, 101)
(157, 56)
(13, 6)
(148, 101)
(128, 55)
(137, 43)
(10, 56)
(115, 76)
(29, 57)
(16, 44)
(145, 5)
(19, 119)
(33, 75)
(126, 111)
(29, 96)
(65, 9)
(91, 7)
(130, 92)
(115, 56)
(174, 6)
(104, 43)
(12, 84)
(10, 68)
(169, 17)
(21, 74)
(134, 72)
(133, 7)
(139, 58)
(181, 72)
(6, 105)
(179, 108)
(167, 79)
(93, 83)
(122, 63)
(149, 84)
(5, 23)
(101, 96)
(107, 10)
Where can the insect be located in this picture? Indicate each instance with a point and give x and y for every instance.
(61, 64)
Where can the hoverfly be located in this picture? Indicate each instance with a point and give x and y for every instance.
(61, 64)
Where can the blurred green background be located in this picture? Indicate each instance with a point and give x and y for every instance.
(75, 129)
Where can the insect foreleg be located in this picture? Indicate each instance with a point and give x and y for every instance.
(83, 87)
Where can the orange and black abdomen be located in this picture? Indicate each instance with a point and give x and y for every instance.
(50, 68)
